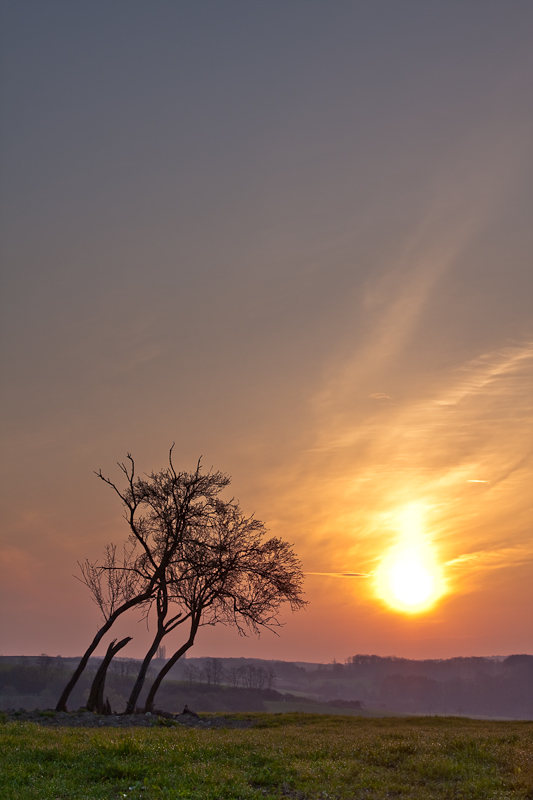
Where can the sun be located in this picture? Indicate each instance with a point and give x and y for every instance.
(409, 579)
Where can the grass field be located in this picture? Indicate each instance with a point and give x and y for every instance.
(296, 756)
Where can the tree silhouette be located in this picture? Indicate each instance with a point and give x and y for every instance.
(159, 510)
(191, 559)
(230, 575)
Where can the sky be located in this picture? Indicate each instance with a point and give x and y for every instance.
(294, 238)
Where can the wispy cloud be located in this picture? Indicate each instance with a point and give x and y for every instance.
(472, 421)
(341, 574)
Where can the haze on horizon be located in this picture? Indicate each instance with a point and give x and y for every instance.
(294, 238)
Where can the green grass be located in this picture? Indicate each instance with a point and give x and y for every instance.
(296, 756)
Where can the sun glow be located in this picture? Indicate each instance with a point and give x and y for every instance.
(409, 578)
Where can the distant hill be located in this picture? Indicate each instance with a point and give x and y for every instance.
(499, 686)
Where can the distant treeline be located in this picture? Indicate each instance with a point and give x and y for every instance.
(441, 669)
(471, 686)
(477, 686)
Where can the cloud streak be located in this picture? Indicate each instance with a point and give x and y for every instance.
(341, 574)
(470, 421)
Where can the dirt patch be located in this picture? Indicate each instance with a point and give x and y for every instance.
(86, 719)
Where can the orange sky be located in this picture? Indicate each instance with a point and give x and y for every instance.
(295, 242)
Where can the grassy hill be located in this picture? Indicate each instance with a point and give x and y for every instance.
(297, 756)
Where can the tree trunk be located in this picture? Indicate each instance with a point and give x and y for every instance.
(163, 628)
(62, 702)
(195, 624)
(141, 677)
(96, 695)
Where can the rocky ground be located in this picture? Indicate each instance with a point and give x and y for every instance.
(86, 719)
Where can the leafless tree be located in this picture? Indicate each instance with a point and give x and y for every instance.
(193, 560)
(271, 678)
(96, 695)
(159, 510)
(191, 673)
(248, 676)
(228, 574)
(213, 671)
(257, 677)
(235, 676)
(222, 572)
(165, 625)
(123, 668)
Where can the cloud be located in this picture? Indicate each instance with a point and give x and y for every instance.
(502, 557)
(347, 494)
(341, 574)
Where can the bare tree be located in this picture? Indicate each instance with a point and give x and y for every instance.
(123, 668)
(227, 574)
(271, 678)
(235, 676)
(222, 572)
(191, 673)
(96, 696)
(192, 559)
(256, 677)
(158, 509)
(164, 626)
(213, 671)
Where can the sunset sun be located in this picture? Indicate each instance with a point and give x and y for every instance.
(409, 578)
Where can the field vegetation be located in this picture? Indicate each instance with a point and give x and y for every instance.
(298, 756)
